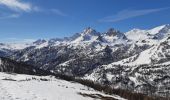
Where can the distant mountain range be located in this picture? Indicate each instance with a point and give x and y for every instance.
(138, 60)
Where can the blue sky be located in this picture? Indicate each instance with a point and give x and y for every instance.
(27, 20)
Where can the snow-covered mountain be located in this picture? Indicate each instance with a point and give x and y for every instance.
(160, 32)
(7, 49)
(152, 36)
(14, 46)
(137, 60)
(87, 35)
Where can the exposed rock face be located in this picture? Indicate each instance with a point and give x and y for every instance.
(7, 65)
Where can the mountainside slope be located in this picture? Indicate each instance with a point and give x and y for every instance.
(137, 60)
(7, 65)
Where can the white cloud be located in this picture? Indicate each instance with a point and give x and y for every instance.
(127, 14)
(17, 5)
(50, 11)
(58, 12)
(10, 16)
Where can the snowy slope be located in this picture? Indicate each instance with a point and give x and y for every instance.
(160, 32)
(137, 34)
(142, 58)
(26, 87)
(156, 33)
(156, 29)
(156, 54)
(14, 46)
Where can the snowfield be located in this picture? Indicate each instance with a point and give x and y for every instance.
(27, 87)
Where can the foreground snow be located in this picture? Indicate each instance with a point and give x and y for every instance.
(26, 87)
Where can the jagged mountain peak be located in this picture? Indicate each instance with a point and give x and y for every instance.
(39, 41)
(90, 31)
(88, 34)
(113, 32)
(112, 35)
